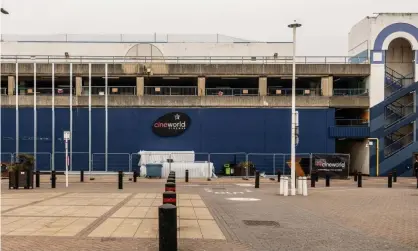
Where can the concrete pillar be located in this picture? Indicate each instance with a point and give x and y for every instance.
(201, 86)
(327, 86)
(416, 66)
(262, 86)
(78, 86)
(140, 86)
(10, 85)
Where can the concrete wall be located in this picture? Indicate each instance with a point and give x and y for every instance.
(400, 57)
(154, 49)
(359, 37)
(188, 101)
(192, 69)
(359, 157)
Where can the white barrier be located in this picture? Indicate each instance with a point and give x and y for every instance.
(281, 185)
(299, 185)
(305, 186)
(286, 186)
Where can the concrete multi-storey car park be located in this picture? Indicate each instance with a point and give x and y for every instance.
(236, 94)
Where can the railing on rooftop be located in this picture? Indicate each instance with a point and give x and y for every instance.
(176, 59)
(279, 91)
(61, 91)
(3, 91)
(350, 91)
(231, 91)
(112, 90)
(351, 122)
(170, 90)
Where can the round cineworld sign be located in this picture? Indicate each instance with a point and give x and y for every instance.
(171, 124)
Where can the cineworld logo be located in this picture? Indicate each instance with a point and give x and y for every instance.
(171, 124)
(323, 163)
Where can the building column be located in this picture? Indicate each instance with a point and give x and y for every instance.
(262, 86)
(416, 66)
(327, 86)
(78, 86)
(140, 86)
(10, 85)
(201, 86)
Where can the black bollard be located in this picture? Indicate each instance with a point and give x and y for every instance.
(327, 179)
(135, 175)
(53, 180)
(417, 182)
(313, 180)
(279, 174)
(37, 178)
(187, 176)
(170, 187)
(395, 175)
(355, 177)
(167, 227)
(359, 179)
(170, 198)
(120, 180)
(172, 180)
(82, 176)
(390, 180)
(316, 177)
(257, 179)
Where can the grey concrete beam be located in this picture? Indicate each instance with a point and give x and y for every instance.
(190, 101)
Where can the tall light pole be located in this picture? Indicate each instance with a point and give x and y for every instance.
(294, 26)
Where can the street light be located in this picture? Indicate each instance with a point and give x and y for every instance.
(4, 11)
(294, 26)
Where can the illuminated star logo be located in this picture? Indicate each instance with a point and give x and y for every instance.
(177, 116)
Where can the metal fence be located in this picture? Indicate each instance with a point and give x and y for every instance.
(181, 59)
(350, 91)
(3, 91)
(232, 91)
(351, 122)
(208, 163)
(170, 90)
(279, 91)
(111, 90)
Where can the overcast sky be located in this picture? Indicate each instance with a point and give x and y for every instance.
(326, 23)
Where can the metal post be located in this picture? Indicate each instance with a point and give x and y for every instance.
(293, 126)
(82, 176)
(38, 177)
(170, 198)
(66, 163)
(395, 175)
(106, 118)
(327, 180)
(90, 120)
(170, 187)
(35, 119)
(257, 179)
(17, 109)
(53, 179)
(359, 179)
(120, 179)
(53, 118)
(187, 176)
(167, 227)
(135, 175)
(390, 180)
(313, 179)
(71, 115)
(279, 174)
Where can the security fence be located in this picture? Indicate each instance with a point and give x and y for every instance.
(207, 165)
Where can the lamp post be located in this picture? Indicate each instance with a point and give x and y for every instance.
(293, 26)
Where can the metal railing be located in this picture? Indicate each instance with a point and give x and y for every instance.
(350, 91)
(351, 122)
(64, 91)
(279, 91)
(178, 59)
(3, 91)
(112, 90)
(170, 90)
(399, 144)
(232, 91)
(394, 117)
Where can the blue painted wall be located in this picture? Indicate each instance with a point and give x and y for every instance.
(211, 130)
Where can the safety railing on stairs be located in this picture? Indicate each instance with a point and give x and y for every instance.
(399, 144)
(395, 81)
(394, 118)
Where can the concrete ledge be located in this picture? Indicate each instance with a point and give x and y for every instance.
(189, 101)
(161, 69)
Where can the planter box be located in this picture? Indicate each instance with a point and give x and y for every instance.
(21, 179)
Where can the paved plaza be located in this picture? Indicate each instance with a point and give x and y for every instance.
(222, 214)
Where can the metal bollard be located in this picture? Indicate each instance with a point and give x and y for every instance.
(120, 180)
(300, 186)
(355, 177)
(172, 180)
(37, 178)
(279, 175)
(135, 175)
(170, 187)
(327, 180)
(313, 178)
(316, 177)
(395, 175)
(304, 186)
(187, 176)
(359, 179)
(53, 179)
(390, 180)
(286, 186)
(257, 179)
(170, 198)
(167, 227)
(82, 176)
(281, 185)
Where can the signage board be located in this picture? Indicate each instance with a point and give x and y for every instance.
(171, 124)
(331, 164)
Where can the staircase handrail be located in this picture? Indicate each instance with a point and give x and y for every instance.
(397, 141)
(388, 70)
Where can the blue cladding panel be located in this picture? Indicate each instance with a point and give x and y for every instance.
(212, 130)
(349, 132)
